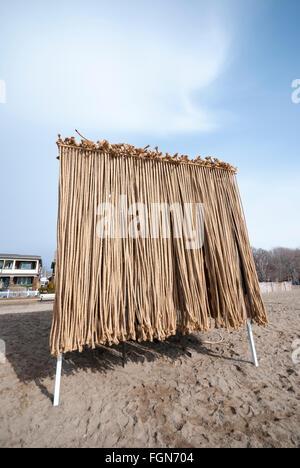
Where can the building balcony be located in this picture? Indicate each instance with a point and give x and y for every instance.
(17, 265)
(19, 272)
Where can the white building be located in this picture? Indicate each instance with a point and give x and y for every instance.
(22, 270)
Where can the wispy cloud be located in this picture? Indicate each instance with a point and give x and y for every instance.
(115, 75)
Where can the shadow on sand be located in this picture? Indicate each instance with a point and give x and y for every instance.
(26, 336)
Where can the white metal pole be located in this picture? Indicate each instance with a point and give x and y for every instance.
(253, 350)
(57, 380)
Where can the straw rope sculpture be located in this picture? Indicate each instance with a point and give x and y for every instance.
(146, 285)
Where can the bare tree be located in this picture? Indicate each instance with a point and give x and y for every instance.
(262, 263)
(277, 264)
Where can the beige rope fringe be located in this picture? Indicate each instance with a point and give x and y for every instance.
(112, 290)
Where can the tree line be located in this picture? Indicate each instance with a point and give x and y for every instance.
(279, 264)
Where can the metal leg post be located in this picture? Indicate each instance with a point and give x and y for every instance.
(253, 350)
(57, 380)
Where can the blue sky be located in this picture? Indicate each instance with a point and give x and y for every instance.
(209, 78)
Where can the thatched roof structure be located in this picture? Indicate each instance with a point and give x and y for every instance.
(132, 284)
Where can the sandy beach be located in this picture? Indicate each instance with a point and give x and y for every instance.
(181, 393)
